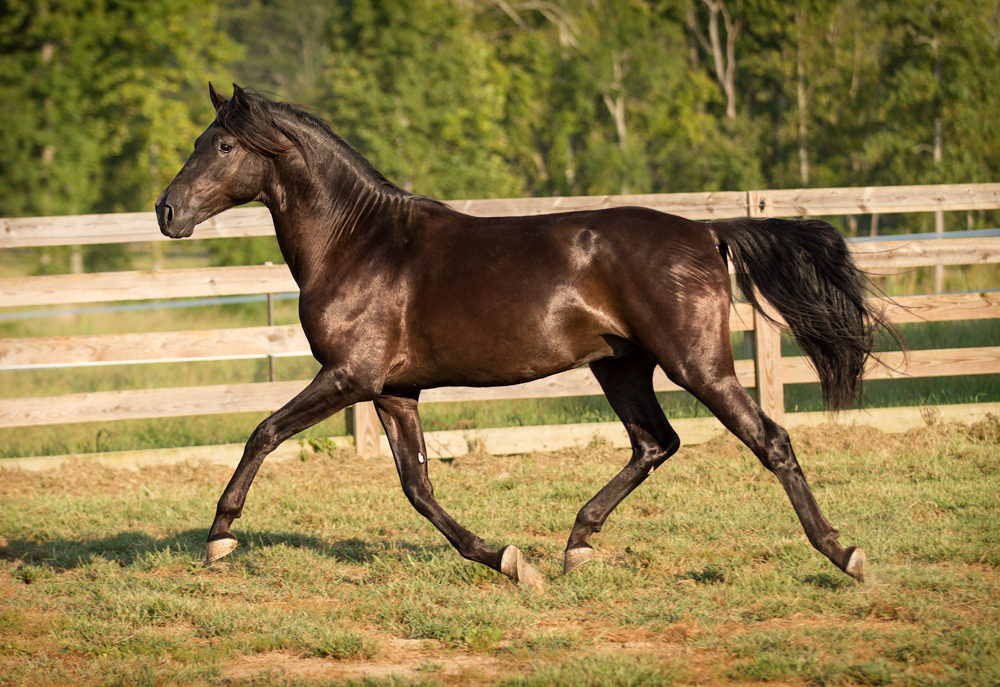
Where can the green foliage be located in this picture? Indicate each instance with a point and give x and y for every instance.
(101, 100)
(419, 91)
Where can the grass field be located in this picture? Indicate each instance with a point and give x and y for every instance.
(703, 575)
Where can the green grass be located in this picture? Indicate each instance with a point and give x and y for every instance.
(703, 575)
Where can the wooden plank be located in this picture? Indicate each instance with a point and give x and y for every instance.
(932, 308)
(816, 202)
(212, 344)
(518, 440)
(124, 227)
(365, 427)
(132, 286)
(698, 206)
(905, 254)
(895, 420)
(242, 398)
(219, 454)
(741, 317)
(256, 221)
(231, 281)
(944, 362)
(147, 403)
(579, 382)
(451, 444)
(153, 347)
(768, 369)
(942, 308)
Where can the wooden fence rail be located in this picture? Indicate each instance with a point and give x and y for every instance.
(816, 202)
(768, 371)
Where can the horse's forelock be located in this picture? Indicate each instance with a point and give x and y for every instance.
(250, 120)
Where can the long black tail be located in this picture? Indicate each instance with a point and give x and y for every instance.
(805, 270)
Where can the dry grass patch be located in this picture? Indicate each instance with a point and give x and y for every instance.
(702, 577)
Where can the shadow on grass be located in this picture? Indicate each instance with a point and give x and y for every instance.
(129, 548)
(709, 575)
(825, 581)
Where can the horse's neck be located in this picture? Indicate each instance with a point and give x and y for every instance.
(324, 209)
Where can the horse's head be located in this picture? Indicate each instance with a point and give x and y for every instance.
(229, 165)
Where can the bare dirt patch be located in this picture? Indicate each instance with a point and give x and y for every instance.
(408, 658)
(416, 658)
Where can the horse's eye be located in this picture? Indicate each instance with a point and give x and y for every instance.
(225, 148)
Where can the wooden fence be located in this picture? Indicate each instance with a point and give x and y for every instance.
(767, 371)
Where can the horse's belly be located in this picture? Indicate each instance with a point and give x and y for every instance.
(499, 361)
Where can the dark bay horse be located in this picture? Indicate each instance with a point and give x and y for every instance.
(400, 293)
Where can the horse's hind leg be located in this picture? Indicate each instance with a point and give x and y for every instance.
(401, 421)
(729, 401)
(628, 384)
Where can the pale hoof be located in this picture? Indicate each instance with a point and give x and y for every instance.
(513, 565)
(856, 565)
(577, 557)
(219, 548)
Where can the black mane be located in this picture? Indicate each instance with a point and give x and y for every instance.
(272, 129)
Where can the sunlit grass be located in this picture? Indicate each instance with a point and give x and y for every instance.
(703, 575)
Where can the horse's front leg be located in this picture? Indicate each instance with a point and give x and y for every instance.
(328, 393)
(401, 421)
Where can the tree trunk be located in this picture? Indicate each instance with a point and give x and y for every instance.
(800, 70)
(723, 57)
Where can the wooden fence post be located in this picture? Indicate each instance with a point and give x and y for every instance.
(766, 336)
(767, 366)
(363, 423)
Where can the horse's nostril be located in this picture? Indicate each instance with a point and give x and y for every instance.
(165, 214)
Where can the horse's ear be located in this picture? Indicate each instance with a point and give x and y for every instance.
(240, 96)
(217, 100)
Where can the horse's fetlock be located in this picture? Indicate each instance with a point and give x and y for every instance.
(230, 507)
(588, 520)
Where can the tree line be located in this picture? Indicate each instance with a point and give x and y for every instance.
(101, 99)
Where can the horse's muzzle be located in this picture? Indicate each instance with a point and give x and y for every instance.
(165, 218)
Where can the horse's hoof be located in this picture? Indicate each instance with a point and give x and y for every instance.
(513, 565)
(577, 557)
(856, 565)
(219, 548)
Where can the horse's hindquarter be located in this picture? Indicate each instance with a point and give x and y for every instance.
(506, 300)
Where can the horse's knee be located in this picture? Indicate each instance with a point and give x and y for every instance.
(776, 450)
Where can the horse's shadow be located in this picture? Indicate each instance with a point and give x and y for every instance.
(134, 548)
